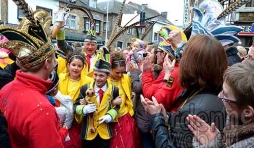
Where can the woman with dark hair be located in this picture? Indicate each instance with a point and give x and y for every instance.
(200, 74)
(237, 96)
(125, 130)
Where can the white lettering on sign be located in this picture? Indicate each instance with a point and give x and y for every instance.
(246, 28)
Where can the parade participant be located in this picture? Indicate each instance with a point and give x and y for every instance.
(98, 134)
(238, 79)
(90, 44)
(30, 116)
(69, 84)
(125, 124)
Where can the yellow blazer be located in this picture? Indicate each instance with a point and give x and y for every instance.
(103, 129)
(62, 65)
(127, 104)
(63, 84)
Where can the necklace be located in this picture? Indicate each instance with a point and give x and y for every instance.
(190, 97)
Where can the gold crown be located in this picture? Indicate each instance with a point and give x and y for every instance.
(29, 42)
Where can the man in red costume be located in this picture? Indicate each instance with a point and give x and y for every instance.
(32, 120)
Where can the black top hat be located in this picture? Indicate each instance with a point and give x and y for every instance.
(91, 38)
(102, 65)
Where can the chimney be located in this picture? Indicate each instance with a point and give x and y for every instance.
(164, 14)
(144, 6)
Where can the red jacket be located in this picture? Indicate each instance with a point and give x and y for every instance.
(32, 120)
(165, 93)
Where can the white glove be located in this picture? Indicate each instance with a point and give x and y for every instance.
(61, 16)
(89, 108)
(107, 118)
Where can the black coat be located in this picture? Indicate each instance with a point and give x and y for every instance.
(8, 74)
(4, 136)
(205, 105)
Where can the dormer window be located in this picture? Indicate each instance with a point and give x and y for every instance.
(93, 3)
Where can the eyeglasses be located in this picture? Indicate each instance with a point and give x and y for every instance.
(222, 97)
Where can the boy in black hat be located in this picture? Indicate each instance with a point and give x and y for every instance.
(107, 96)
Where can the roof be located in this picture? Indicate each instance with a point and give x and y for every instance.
(115, 5)
(83, 4)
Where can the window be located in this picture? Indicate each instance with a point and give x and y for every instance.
(119, 44)
(143, 30)
(104, 26)
(97, 26)
(20, 14)
(87, 24)
(129, 31)
(250, 4)
(128, 44)
(155, 36)
(93, 3)
(72, 21)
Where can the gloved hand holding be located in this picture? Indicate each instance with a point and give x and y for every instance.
(89, 108)
(106, 118)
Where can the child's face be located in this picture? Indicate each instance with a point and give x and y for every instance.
(75, 67)
(136, 45)
(100, 78)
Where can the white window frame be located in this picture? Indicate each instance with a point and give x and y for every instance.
(97, 26)
(155, 33)
(93, 3)
(129, 31)
(117, 43)
(72, 19)
(127, 44)
(88, 24)
(104, 26)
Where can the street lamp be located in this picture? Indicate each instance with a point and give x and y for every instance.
(106, 35)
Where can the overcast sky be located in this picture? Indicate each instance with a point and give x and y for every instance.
(173, 7)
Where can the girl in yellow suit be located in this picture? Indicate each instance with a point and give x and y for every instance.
(125, 130)
(69, 84)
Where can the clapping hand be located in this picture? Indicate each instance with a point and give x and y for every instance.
(168, 66)
(151, 107)
(146, 65)
(201, 130)
(174, 38)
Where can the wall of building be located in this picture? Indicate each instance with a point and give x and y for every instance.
(13, 10)
(3, 10)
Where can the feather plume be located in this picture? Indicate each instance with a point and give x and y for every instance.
(148, 29)
(124, 29)
(117, 21)
(87, 12)
(23, 6)
(237, 4)
(223, 1)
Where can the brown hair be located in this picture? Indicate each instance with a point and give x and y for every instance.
(202, 64)
(117, 59)
(240, 78)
